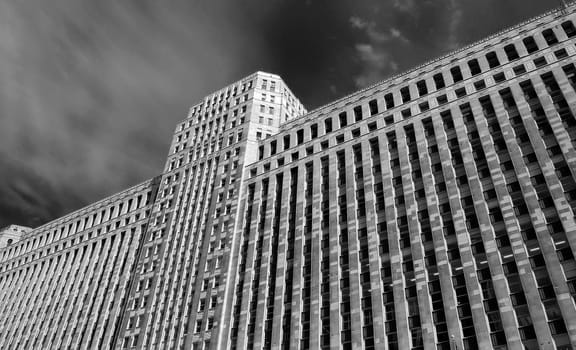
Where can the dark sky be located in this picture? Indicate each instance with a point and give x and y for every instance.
(90, 91)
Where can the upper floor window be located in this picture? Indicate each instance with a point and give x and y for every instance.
(439, 81)
(530, 44)
(389, 99)
(474, 66)
(511, 52)
(569, 29)
(492, 59)
(550, 37)
(405, 93)
(456, 74)
(422, 88)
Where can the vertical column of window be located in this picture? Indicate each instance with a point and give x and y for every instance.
(420, 231)
(364, 261)
(22, 306)
(380, 312)
(502, 321)
(561, 165)
(133, 249)
(257, 263)
(396, 324)
(439, 286)
(286, 317)
(538, 178)
(103, 282)
(559, 101)
(307, 270)
(554, 229)
(75, 285)
(91, 264)
(345, 317)
(167, 320)
(452, 244)
(440, 184)
(236, 311)
(466, 286)
(30, 301)
(20, 303)
(500, 235)
(39, 320)
(273, 263)
(192, 270)
(34, 300)
(100, 324)
(182, 314)
(414, 323)
(14, 319)
(165, 223)
(169, 315)
(89, 298)
(325, 258)
(545, 198)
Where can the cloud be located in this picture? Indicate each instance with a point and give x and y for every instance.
(404, 5)
(374, 53)
(374, 34)
(90, 93)
(455, 17)
(377, 64)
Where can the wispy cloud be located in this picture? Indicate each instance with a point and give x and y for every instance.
(91, 91)
(374, 54)
(375, 35)
(377, 64)
(455, 17)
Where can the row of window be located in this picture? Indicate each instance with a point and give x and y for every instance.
(423, 87)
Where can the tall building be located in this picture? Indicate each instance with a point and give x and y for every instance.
(434, 210)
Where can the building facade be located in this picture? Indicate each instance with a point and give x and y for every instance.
(434, 210)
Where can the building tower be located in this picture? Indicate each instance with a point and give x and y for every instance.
(183, 286)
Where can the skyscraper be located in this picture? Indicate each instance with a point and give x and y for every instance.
(434, 210)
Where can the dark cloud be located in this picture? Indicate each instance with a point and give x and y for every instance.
(90, 91)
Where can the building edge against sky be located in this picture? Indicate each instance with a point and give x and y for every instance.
(434, 210)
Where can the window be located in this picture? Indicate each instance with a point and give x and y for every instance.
(389, 99)
(560, 54)
(569, 29)
(520, 69)
(530, 44)
(373, 105)
(314, 130)
(439, 81)
(358, 113)
(492, 59)
(456, 74)
(540, 61)
(511, 52)
(500, 77)
(405, 93)
(480, 85)
(422, 89)
(442, 99)
(406, 113)
(424, 106)
(550, 37)
(343, 119)
(461, 92)
(474, 67)
(300, 136)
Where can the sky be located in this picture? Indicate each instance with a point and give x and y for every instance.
(91, 91)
